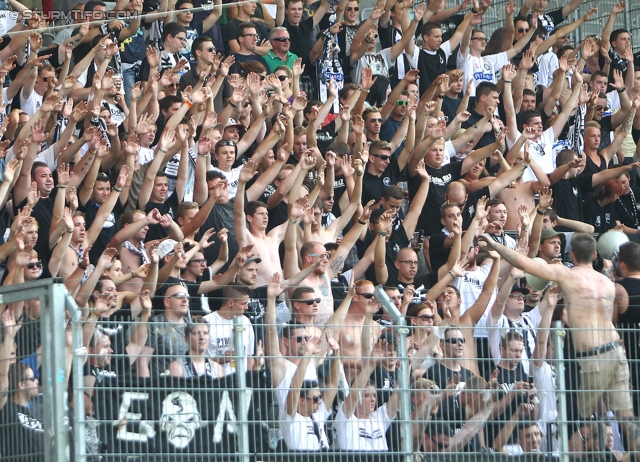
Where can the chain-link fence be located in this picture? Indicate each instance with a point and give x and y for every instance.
(373, 391)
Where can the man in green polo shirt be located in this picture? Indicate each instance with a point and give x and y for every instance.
(279, 54)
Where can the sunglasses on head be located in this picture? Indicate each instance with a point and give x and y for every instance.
(226, 143)
(282, 39)
(35, 264)
(311, 301)
(381, 156)
(455, 340)
(353, 8)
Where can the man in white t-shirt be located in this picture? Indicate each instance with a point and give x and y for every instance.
(34, 89)
(541, 146)
(359, 425)
(307, 407)
(478, 68)
(236, 302)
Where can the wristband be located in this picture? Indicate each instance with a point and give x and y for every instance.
(506, 81)
(162, 150)
(66, 230)
(362, 222)
(539, 212)
(382, 233)
(474, 11)
(440, 96)
(82, 267)
(293, 221)
(202, 155)
(188, 102)
(133, 274)
(232, 105)
(62, 186)
(115, 188)
(359, 174)
(621, 90)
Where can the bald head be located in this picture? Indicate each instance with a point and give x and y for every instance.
(456, 192)
(406, 253)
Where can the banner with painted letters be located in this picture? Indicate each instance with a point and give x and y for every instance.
(189, 418)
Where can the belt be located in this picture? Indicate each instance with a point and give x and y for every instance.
(598, 350)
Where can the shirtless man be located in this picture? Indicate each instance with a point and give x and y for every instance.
(359, 333)
(311, 251)
(589, 298)
(305, 307)
(265, 245)
(522, 192)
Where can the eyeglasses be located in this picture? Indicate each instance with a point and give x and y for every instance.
(381, 156)
(29, 379)
(35, 264)
(182, 39)
(458, 340)
(180, 296)
(482, 39)
(311, 301)
(282, 78)
(199, 261)
(598, 108)
(522, 30)
(316, 399)
(367, 295)
(353, 8)
(324, 255)
(426, 317)
(211, 49)
(226, 143)
(409, 262)
(282, 39)
(250, 35)
(517, 297)
(402, 102)
(375, 120)
(302, 338)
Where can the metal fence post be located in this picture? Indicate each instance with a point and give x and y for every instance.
(563, 432)
(241, 374)
(403, 388)
(78, 379)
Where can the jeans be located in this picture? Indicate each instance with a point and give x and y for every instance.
(128, 81)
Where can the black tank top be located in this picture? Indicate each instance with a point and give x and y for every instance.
(630, 320)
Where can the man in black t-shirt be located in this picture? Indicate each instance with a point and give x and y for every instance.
(448, 370)
(383, 170)
(247, 37)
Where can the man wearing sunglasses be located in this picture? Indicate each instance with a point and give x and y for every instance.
(246, 12)
(279, 55)
(449, 370)
(204, 52)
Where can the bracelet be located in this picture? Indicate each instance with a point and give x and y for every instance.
(162, 150)
(293, 221)
(382, 233)
(440, 96)
(474, 11)
(203, 155)
(82, 267)
(525, 228)
(115, 188)
(362, 222)
(359, 174)
(232, 105)
(452, 275)
(62, 186)
(539, 212)
(621, 90)
(188, 102)
(68, 231)
(133, 274)
(506, 81)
